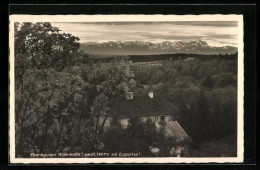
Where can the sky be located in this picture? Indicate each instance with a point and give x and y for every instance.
(215, 33)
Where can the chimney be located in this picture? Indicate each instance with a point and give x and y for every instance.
(150, 94)
(129, 95)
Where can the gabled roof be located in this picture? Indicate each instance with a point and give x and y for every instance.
(142, 105)
(173, 128)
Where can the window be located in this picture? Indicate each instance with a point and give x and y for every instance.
(162, 118)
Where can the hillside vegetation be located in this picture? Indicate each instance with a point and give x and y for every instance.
(205, 91)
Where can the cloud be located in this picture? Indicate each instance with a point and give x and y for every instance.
(222, 36)
(190, 23)
(213, 32)
(208, 23)
(224, 42)
(170, 36)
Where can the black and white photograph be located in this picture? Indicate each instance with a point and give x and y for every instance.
(126, 88)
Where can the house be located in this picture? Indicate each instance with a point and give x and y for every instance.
(156, 108)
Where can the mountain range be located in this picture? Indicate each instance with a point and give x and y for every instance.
(149, 48)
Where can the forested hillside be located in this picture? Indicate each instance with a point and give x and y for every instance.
(205, 91)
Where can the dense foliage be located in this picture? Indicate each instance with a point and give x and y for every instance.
(59, 95)
(204, 90)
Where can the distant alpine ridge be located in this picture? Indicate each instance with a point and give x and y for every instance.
(148, 48)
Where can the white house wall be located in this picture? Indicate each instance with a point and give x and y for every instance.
(155, 118)
(125, 121)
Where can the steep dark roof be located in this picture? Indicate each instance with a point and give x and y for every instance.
(143, 105)
(173, 128)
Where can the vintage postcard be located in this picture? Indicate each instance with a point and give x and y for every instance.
(126, 89)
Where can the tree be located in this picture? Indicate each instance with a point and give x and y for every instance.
(41, 53)
(207, 82)
(107, 82)
(223, 147)
(42, 46)
(200, 120)
(58, 97)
